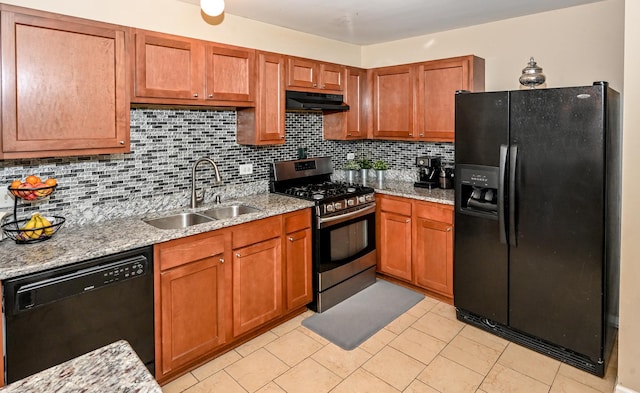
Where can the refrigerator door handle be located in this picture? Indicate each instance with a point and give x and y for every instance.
(513, 159)
(501, 193)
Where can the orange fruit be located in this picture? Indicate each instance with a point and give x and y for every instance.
(50, 182)
(33, 179)
(15, 184)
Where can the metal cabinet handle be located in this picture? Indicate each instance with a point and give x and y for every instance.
(221, 260)
(290, 239)
(282, 137)
(122, 142)
(195, 95)
(410, 134)
(315, 85)
(448, 229)
(421, 134)
(408, 220)
(210, 95)
(238, 255)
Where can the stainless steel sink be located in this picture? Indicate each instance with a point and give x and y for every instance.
(179, 221)
(230, 211)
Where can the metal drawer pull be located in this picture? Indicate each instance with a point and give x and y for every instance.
(290, 239)
(195, 95)
(238, 255)
(221, 260)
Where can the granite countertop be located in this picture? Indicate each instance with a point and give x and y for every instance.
(112, 368)
(406, 189)
(77, 244)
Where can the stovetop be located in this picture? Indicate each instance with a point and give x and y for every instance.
(310, 179)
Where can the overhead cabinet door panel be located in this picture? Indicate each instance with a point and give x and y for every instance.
(64, 87)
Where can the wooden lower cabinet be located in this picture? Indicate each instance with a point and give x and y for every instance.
(194, 292)
(216, 290)
(257, 285)
(415, 243)
(433, 255)
(297, 246)
(394, 231)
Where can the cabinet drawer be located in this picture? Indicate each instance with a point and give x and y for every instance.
(402, 207)
(294, 222)
(435, 212)
(178, 252)
(256, 231)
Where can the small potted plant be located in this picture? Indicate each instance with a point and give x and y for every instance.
(351, 168)
(365, 165)
(380, 167)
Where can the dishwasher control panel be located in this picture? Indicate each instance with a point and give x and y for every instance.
(124, 271)
(53, 288)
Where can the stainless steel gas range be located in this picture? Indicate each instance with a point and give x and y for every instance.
(344, 228)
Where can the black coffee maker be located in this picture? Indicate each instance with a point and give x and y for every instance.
(428, 172)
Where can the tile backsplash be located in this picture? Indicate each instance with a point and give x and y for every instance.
(165, 143)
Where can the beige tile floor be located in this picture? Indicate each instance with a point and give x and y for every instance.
(425, 350)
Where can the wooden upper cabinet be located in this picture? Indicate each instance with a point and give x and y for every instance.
(265, 123)
(416, 101)
(351, 124)
(167, 67)
(230, 73)
(178, 70)
(393, 102)
(311, 75)
(64, 85)
(437, 83)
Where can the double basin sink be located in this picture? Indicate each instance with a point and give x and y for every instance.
(187, 219)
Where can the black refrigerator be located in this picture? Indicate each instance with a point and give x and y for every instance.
(537, 218)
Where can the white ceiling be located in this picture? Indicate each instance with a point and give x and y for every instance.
(364, 22)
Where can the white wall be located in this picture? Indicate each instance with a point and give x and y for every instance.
(629, 338)
(574, 46)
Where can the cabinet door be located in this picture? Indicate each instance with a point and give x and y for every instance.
(393, 102)
(302, 73)
(64, 89)
(433, 259)
(257, 285)
(265, 124)
(168, 67)
(298, 265)
(229, 73)
(395, 245)
(437, 88)
(331, 77)
(193, 311)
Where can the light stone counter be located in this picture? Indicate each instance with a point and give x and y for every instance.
(406, 189)
(77, 244)
(113, 368)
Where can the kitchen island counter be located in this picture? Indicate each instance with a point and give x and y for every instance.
(112, 368)
(408, 190)
(77, 244)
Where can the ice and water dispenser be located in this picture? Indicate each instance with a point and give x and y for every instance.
(478, 190)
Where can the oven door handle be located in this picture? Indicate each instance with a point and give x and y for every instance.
(344, 217)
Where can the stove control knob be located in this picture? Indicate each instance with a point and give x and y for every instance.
(329, 207)
(369, 197)
(362, 199)
(351, 202)
(338, 205)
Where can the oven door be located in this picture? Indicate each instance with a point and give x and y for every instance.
(345, 238)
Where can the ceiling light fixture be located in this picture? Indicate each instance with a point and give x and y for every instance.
(212, 7)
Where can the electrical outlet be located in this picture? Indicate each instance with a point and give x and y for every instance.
(246, 169)
(351, 156)
(6, 200)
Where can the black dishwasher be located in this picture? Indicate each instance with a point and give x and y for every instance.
(59, 314)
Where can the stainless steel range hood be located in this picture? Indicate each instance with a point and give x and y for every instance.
(298, 100)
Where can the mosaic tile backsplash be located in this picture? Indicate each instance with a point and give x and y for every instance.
(165, 143)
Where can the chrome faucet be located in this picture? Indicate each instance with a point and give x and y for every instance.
(195, 199)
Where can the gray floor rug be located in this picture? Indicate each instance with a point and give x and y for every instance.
(351, 322)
